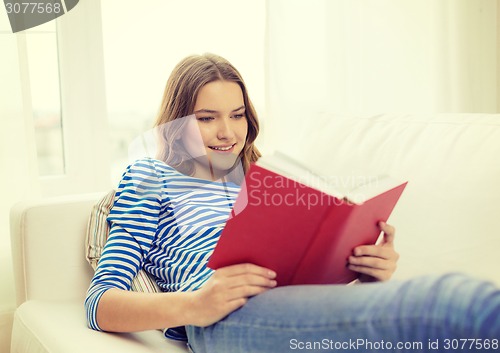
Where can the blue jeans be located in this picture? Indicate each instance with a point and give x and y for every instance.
(451, 313)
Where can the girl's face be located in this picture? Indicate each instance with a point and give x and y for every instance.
(217, 134)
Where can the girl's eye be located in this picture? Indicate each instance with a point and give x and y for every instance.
(238, 116)
(205, 118)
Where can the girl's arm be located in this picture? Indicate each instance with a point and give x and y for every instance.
(228, 289)
(133, 222)
(125, 311)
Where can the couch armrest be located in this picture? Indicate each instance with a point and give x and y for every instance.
(47, 237)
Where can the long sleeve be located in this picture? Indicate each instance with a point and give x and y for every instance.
(133, 223)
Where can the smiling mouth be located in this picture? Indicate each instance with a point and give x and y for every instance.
(222, 148)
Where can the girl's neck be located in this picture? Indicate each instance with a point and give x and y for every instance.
(208, 174)
(235, 174)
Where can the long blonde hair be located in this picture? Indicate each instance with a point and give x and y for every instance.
(179, 99)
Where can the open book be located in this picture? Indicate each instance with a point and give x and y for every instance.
(301, 224)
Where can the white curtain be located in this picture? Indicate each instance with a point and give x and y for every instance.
(380, 56)
(19, 176)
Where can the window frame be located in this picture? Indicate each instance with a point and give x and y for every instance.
(83, 104)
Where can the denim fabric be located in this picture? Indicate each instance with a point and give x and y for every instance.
(450, 313)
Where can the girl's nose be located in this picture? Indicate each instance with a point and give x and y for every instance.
(225, 132)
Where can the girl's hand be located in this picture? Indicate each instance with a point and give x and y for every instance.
(227, 290)
(376, 262)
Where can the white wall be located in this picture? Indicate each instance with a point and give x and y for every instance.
(381, 56)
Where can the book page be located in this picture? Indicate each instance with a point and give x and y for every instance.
(284, 165)
(356, 190)
(373, 187)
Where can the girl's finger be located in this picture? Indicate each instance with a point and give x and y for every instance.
(389, 233)
(373, 272)
(382, 252)
(247, 268)
(372, 262)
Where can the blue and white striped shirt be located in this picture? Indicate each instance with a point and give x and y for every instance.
(164, 222)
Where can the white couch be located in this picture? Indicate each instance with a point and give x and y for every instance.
(52, 276)
(447, 220)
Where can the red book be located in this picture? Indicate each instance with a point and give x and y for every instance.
(301, 226)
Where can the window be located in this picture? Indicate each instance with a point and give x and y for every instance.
(93, 78)
(43, 73)
(82, 103)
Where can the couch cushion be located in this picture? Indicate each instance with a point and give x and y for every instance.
(47, 235)
(447, 218)
(66, 331)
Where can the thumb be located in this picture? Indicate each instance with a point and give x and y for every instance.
(389, 233)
